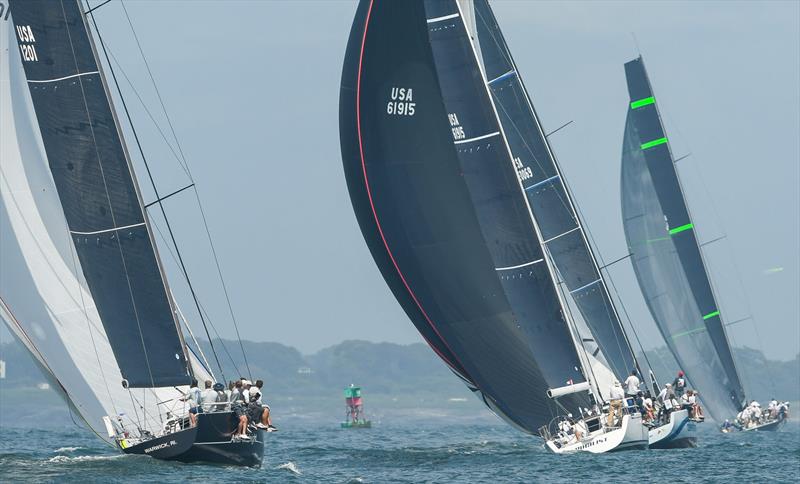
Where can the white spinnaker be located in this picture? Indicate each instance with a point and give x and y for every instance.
(41, 279)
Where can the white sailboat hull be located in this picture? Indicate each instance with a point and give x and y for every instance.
(678, 432)
(631, 435)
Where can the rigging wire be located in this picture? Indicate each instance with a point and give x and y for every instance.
(155, 189)
(197, 196)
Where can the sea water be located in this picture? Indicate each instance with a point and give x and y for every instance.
(408, 452)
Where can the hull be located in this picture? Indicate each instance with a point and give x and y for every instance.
(210, 441)
(767, 427)
(363, 424)
(631, 435)
(678, 433)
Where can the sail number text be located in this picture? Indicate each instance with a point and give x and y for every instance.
(455, 127)
(401, 102)
(26, 47)
(523, 172)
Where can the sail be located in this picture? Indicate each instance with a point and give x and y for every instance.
(548, 197)
(406, 180)
(44, 299)
(666, 255)
(98, 193)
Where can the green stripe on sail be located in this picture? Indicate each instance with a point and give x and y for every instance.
(711, 315)
(655, 142)
(680, 229)
(643, 102)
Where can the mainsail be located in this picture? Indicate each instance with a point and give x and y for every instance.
(666, 256)
(441, 210)
(100, 200)
(78, 284)
(552, 205)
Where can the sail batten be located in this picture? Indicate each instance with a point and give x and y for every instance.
(667, 259)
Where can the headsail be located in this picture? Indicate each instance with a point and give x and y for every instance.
(666, 256)
(550, 201)
(418, 213)
(98, 192)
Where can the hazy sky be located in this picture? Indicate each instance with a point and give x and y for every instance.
(252, 89)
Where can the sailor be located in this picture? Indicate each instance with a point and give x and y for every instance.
(647, 404)
(615, 397)
(239, 408)
(266, 418)
(193, 398)
(696, 412)
(221, 397)
(564, 428)
(666, 397)
(684, 400)
(773, 408)
(208, 397)
(679, 384)
(632, 385)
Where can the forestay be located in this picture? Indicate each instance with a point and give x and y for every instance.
(666, 255)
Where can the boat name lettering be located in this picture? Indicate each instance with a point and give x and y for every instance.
(26, 47)
(5, 10)
(455, 126)
(401, 102)
(160, 446)
(523, 172)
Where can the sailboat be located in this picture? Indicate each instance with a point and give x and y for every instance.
(667, 257)
(83, 286)
(437, 189)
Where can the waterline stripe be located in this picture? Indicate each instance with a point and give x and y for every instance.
(446, 17)
(710, 315)
(680, 229)
(107, 230)
(469, 140)
(66, 77)
(504, 76)
(542, 182)
(584, 287)
(517, 267)
(655, 142)
(643, 102)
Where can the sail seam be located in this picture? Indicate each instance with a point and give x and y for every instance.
(113, 229)
(40, 81)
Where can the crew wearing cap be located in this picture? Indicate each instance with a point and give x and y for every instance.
(679, 384)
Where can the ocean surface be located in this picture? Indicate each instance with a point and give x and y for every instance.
(412, 452)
